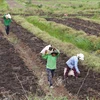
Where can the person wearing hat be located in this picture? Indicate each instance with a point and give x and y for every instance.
(51, 64)
(72, 64)
(7, 21)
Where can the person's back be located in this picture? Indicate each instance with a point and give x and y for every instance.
(72, 62)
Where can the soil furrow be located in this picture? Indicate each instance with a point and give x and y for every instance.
(87, 23)
(79, 24)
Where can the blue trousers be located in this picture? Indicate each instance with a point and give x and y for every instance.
(50, 74)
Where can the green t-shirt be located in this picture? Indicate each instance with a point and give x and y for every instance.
(51, 61)
(6, 21)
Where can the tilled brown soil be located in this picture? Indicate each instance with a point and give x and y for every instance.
(16, 80)
(88, 83)
(79, 24)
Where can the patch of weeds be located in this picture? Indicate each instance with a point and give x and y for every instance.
(3, 5)
(80, 6)
(74, 7)
(98, 4)
(40, 6)
(83, 43)
(48, 97)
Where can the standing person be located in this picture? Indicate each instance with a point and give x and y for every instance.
(72, 64)
(7, 21)
(51, 64)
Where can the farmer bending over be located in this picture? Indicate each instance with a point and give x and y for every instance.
(51, 64)
(7, 21)
(72, 64)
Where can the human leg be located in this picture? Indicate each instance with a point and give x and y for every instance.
(66, 71)
(75, 73)
(52, 72)
(7, 29)
(49, 76)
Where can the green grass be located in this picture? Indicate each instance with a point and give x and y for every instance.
(3, 5)
(47, 98)
(66, 35)
(67, 6)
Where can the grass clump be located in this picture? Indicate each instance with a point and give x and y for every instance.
(48, 97)
(3, 5)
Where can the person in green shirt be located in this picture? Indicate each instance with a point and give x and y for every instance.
(7, 21)
(51, 64)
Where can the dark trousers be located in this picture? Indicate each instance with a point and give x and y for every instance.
(50, 74)
(68, 69)
(7, 29)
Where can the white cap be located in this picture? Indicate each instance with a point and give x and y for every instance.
(8, 16)
(80, 56)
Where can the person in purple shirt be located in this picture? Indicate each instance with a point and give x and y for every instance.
(72, 64)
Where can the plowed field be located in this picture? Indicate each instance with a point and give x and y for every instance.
(88, 27)
(14, 72)
(91, 84)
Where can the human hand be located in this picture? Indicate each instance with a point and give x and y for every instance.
(78, 72)
(45, 51)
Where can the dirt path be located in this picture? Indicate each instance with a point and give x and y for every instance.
(13, 4)
(88, 27)
(92, 83)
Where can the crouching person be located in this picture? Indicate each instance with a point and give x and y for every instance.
(72, 65)
(51, 64)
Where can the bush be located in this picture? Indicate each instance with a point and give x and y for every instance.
(80, 6)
